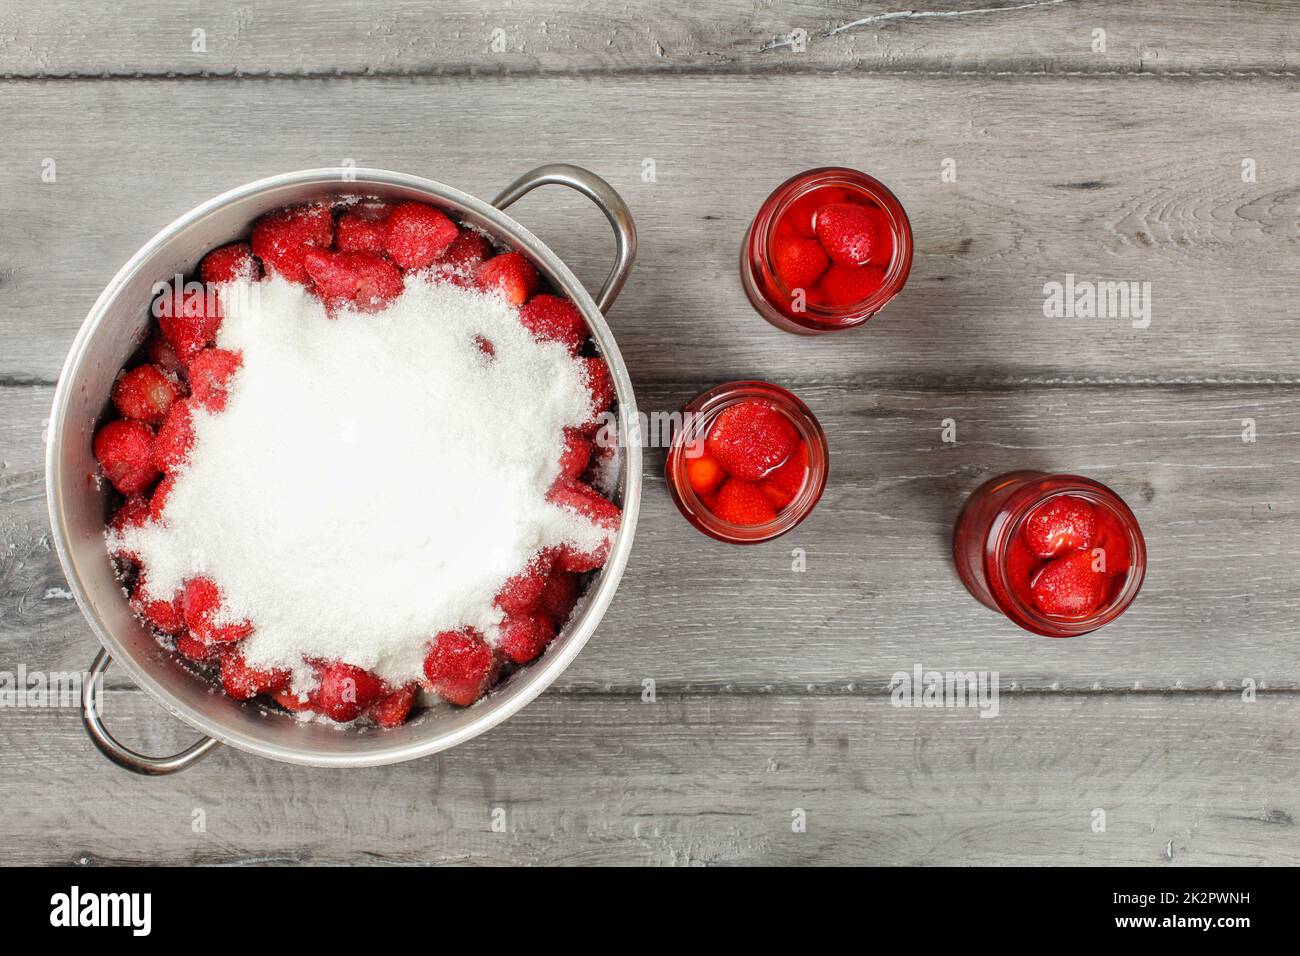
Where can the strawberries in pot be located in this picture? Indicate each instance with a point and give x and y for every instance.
(243, 682)
(345, 691)
(511, 275)
(175, 437)
(230, 263)
(145, 393)
(188, 320)
(210, 374)
(415, 234)
(361, 228)
(125, 452)
(460, 666)
(282, 238)
(365, 280)
(525, 636)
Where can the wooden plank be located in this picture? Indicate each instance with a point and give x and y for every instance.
(1187, 779)
(325, 37)
(879, 593)
(1107, 180)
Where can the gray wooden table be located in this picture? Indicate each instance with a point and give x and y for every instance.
(1108, 140)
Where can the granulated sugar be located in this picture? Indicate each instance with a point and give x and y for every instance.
(374, 478)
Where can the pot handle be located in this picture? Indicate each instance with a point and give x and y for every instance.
(604, 196)
(121, 755)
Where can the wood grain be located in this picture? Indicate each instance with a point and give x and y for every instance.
(323, 38)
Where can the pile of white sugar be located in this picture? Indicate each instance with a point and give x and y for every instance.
(374, 478)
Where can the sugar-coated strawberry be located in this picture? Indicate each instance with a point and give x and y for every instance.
(600, 511)
(509, 274)
(847, 232)
(1063, 523)
(391, 709)
(243, 682)
(189, 320)
(522, 591)
(466, 252)
(125, 451)
(799, 216)
(365, 280)
(1068, 586)
(552, 319)
(133, 513)
(576, 454)
(229, 263)
(799, 262)
(460, 666)
(559, 596)
(361, 228)
(415, 234)
(600, 386)
(145, 394)
(283, 237)
(164, 615)
(210, 373)
(524, 636)
(883, 249)
(200, 604)
(175, 438)
(345, 691)
(782, 485)
(163, 354)
(750, 439)
(193, 648)
(704, 474)
(743, 502)
(848, 285)
(1110, 546)
(292, 702)
(158, 499)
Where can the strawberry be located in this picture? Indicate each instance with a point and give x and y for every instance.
(189, 321)
(600, 386)
(133, 513)
(415, 234)
(344, 691)
(162, 615)
(171, 448)
(799, 216)
(750, 439)
(587, 502)
(200, 603)
(193, 648)
(291, 702)
(559, 596)
(125, 451)
(163, 354)
(210, 373)
(485, 346)
(1063, 523)
(743, 502)
(466, 252)
(283, 237)
(365, 280)
(1021, 565)
(229, 263)
(509, 274)
(847, 232)
(525, 636)
(1112, 541)
(460, 666)
(576, 454)
(1068, 586)
(704, 474)
(552, 319)
(782, 485)
(799, 262)
(145, 394)
(849, 285)
(521, 592)
(243, 682)
(391, 709)
(361, 228)
(158, 500)
(883, 250)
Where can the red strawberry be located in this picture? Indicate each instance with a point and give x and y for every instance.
(391, 709)
(361, 228)
(158, 500)
(704, 474)
(511, 275)
(883, 250)
(345, 691)
(799, 262)
(750, 439)
(849, 285)
(521, 592)
(229, 263)
(125, 451)
(188, 321)
(243, 682)
(600, 386)
(161, 353)
(416, 234)
(465, 253)
(576, 454)
(193, 648)
(782, 485)
(364, 279)
(743, 502)
(524, 636)
(210, 373)
(283, 237)
(1068, 586)
(552, 319)
(460, 666)
(145, 394)
(200, 602)
(163, 615)
(559, 596)
(133, 514)
(1063, 523)
(847, 232)
(171, 448)
(1021, 565)
(800, 214)
(1112, 541)
(586, 501)
(291, 701)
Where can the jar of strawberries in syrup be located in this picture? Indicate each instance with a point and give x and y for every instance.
(1060, 555)
(748, 462)
(827, 251)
